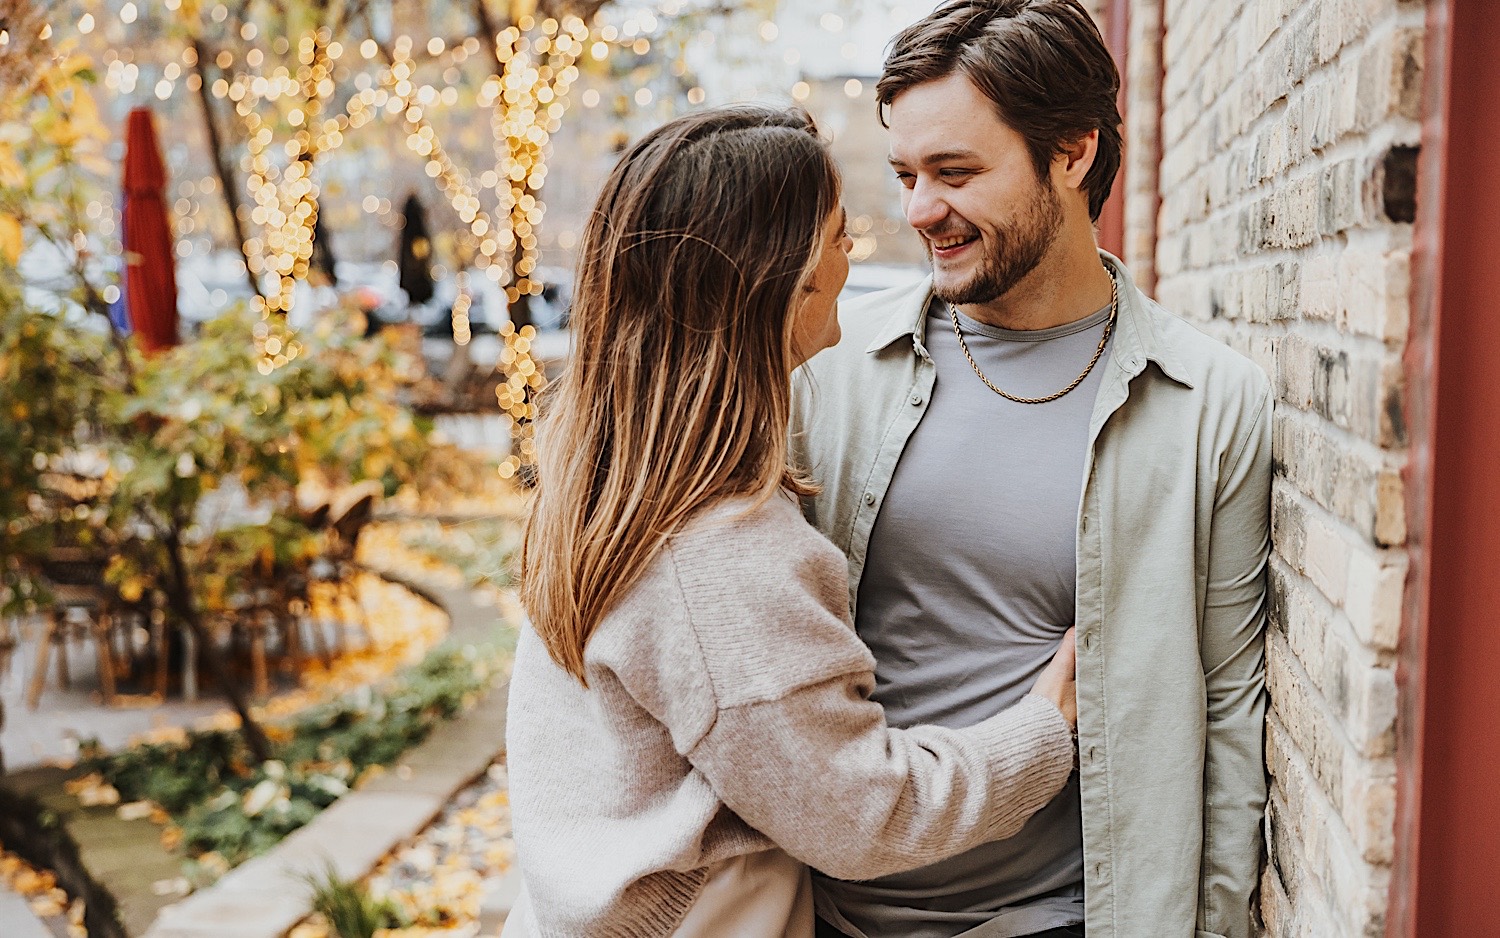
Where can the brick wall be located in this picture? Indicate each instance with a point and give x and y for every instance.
(1288, 132)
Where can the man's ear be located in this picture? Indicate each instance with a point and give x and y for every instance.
(1075, 159)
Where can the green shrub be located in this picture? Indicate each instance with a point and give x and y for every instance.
(226, 804)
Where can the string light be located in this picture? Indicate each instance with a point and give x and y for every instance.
(529, 104)
(516, 395)
(286, 198)
(286, 130)
(460, 315)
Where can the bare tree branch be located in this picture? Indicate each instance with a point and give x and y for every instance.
(228, 182)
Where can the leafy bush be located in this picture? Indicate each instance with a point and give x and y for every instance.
(225, 804)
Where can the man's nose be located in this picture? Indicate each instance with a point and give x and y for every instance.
(924, 208)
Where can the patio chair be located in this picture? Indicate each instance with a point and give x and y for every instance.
(75, 577)
(336, 566)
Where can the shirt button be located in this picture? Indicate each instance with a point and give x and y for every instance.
(1085, 522)
(1088, 641)
(1092, 753)
(916, 400)
(869, 498)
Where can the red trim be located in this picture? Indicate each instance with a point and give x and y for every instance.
(1448, 819)
(1112, 217)
(1147, 281)
(1420, 372)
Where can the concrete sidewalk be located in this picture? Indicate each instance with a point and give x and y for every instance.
(16, 918)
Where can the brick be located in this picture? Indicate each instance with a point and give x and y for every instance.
(1376, 584)
(1375, 286)
(1326, 562)
(1355, 684)
(1356, 481)
(1356, 387)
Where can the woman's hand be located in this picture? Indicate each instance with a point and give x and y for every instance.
(1058, 682)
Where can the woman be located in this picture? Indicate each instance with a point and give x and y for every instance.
(690, 719)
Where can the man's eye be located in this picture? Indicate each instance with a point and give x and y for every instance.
(906, 179)
(953, 173)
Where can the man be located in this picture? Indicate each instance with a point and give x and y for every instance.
(1025, 442)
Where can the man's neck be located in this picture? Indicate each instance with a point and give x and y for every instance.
(1068, 285)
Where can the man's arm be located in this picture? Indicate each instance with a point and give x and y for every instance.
(1232, 645)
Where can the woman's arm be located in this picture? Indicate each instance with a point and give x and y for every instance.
(820, 773)
(742, 649)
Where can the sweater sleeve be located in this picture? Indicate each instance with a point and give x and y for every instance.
(820, 773)
(797, 748)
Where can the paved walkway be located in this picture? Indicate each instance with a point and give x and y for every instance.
(51, 733)
(16, 918)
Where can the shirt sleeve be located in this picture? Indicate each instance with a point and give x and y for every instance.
(1232, 645)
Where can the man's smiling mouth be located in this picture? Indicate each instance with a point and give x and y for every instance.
(951, 245)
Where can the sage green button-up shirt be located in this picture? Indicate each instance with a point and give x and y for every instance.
(1172, 544)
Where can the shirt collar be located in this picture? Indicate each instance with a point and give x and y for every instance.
(1138, 338)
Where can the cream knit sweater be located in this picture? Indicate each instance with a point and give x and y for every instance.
(728, 712)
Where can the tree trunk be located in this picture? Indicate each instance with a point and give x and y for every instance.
(180, 596)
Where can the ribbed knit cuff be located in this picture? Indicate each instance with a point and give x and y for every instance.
(1030, 749)
(656, 905)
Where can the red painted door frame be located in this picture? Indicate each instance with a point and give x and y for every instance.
(1448, 826)
(1112, 217)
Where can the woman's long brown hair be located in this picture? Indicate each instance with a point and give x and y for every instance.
(678, 392)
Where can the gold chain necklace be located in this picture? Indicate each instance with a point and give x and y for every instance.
(1109, 326)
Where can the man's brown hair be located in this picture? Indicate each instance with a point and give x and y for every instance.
(1042, 62)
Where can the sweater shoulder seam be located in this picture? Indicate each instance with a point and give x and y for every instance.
(786, 692)
(692, 628)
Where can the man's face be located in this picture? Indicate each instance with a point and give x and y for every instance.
(970, 190)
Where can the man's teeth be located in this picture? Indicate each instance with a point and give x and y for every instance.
(945, 243)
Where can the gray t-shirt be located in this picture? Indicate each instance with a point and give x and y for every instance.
(969, 584)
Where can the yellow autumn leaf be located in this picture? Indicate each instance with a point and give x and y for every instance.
(84, 115)
(63, 134)
(74, 64)
(12, 173)
(132, 589)
(10, 239)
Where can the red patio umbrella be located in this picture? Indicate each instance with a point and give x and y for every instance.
(150, 292)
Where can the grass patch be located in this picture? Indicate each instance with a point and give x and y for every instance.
(349, 908)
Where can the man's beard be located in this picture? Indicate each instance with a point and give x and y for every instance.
(1019, 246)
